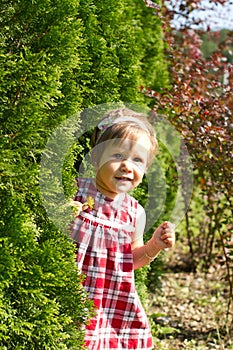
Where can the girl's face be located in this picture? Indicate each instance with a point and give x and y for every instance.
(122, 165)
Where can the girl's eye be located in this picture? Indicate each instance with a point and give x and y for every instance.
(118, 156)
(138, 160)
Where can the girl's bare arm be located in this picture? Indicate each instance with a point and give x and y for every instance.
(163, 237)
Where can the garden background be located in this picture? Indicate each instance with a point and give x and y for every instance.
(60, 57)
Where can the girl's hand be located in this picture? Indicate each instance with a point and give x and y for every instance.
(78, 206)
(164, 236)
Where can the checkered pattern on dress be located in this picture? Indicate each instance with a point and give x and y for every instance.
(104, 236)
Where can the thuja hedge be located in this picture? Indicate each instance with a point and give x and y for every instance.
(57, 58)
(43, 305)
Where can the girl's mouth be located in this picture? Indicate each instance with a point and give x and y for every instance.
(122, 178)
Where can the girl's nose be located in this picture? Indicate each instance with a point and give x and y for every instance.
(126, 165)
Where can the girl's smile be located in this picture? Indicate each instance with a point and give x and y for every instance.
(122, 165)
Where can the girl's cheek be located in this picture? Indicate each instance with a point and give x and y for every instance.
(141, 168)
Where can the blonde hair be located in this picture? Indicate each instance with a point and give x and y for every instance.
(123, 124)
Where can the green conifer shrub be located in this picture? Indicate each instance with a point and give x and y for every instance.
(57, 58)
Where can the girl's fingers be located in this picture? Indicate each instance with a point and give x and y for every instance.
(168, 227)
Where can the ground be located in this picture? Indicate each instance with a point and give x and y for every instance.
(189, 312)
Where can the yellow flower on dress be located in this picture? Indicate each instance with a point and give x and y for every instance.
(90, 202)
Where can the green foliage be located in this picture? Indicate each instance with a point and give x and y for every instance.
(43, 304)
(154, 67)
(141, 279)
(122, 48)
(55, 59)
(110, 64)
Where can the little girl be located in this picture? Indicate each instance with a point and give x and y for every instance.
(109, 232)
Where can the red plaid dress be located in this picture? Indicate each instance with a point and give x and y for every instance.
(104, 237)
